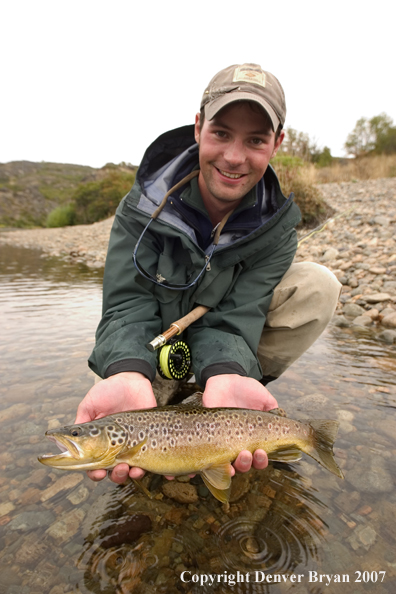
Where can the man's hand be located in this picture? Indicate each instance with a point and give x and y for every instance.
(240, 392)
(124, 391)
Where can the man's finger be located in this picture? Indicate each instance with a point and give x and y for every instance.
(244, 461)
(96, 475)
(119, 474)
(260, 460)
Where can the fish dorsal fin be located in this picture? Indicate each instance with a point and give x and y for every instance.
(289, 455)
(131, 452)
(278, 411)
(193, 400)
(218, 480)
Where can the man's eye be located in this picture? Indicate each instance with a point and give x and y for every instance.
(257, 141)
(220, 133)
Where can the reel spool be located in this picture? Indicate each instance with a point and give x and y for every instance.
(174, 361)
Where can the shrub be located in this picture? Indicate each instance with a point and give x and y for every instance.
(62, 216)
(98, 200)
(297, 177)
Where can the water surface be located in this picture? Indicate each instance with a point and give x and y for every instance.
(59, 532)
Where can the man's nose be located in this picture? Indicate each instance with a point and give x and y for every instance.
(234, 154)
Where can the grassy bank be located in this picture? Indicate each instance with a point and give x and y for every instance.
(349, 170)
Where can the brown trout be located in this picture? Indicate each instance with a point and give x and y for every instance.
(188, 438)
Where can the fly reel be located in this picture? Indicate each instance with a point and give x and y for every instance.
(174, 361)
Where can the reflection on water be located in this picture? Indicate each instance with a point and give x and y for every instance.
(60, 532)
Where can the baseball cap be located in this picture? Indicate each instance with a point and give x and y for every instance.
(246, 82)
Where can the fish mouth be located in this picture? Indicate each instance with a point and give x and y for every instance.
(68, 449)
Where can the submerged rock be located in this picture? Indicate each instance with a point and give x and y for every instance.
(30, 520)
(181, 492)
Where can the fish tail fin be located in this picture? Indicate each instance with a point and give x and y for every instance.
(321, 450)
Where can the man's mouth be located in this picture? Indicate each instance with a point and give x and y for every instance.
(231, 175)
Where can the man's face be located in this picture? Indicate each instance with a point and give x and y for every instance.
(235, 148)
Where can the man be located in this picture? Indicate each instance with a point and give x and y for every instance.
(223, 238)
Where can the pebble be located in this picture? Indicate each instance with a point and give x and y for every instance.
(63, 529)
(13, 412)
(181, 492)
(29, 520)
(389, 321)
(360, 249)
(362, 321)
(370, 476)
(388, 336)
(353, 310)
(65, 482)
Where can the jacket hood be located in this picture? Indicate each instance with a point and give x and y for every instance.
(170, 158)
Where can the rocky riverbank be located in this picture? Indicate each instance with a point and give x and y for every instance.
(359, 247)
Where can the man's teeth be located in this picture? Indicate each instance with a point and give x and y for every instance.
(231, 175)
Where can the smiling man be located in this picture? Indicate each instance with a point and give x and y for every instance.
(224, 239)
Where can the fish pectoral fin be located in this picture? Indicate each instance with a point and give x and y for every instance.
(278, 411)
(290, 455)
(222, 495)
(218, 480)
(219, 475)
(193, 400)
(129, 453)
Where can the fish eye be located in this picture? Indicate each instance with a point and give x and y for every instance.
(76, 431)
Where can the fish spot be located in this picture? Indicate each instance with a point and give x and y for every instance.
(140, 418)
(115, 435)
(131, 428)
(91, 426)
(144, 448)
(95, 432)
(164, 448)
(164, 431)
(153, 443)
(270, 426)
(113, 442)
(110, 428)
(123, 434)
(119, 420)
(141, 435)
(134, 443)
(259, 418)
(172, 442)
(189, 438)
(120, 440)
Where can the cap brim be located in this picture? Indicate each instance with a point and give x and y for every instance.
(213, 107)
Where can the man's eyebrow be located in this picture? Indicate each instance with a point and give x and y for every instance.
(266, 132)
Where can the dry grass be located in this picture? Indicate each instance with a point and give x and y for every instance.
(300, 179)
(371, 167)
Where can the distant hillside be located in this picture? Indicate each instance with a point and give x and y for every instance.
(30, 191)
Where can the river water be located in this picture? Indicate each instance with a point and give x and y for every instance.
(286, 527)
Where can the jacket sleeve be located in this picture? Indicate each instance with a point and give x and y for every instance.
(225, 340)
(130, 314)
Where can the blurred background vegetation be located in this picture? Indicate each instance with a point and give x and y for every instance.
(56, 195)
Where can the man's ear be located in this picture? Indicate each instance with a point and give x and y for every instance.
(197, 128)
(278, 143)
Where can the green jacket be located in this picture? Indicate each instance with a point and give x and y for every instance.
(256, 248)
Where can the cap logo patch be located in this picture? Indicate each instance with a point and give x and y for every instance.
(248, 75)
